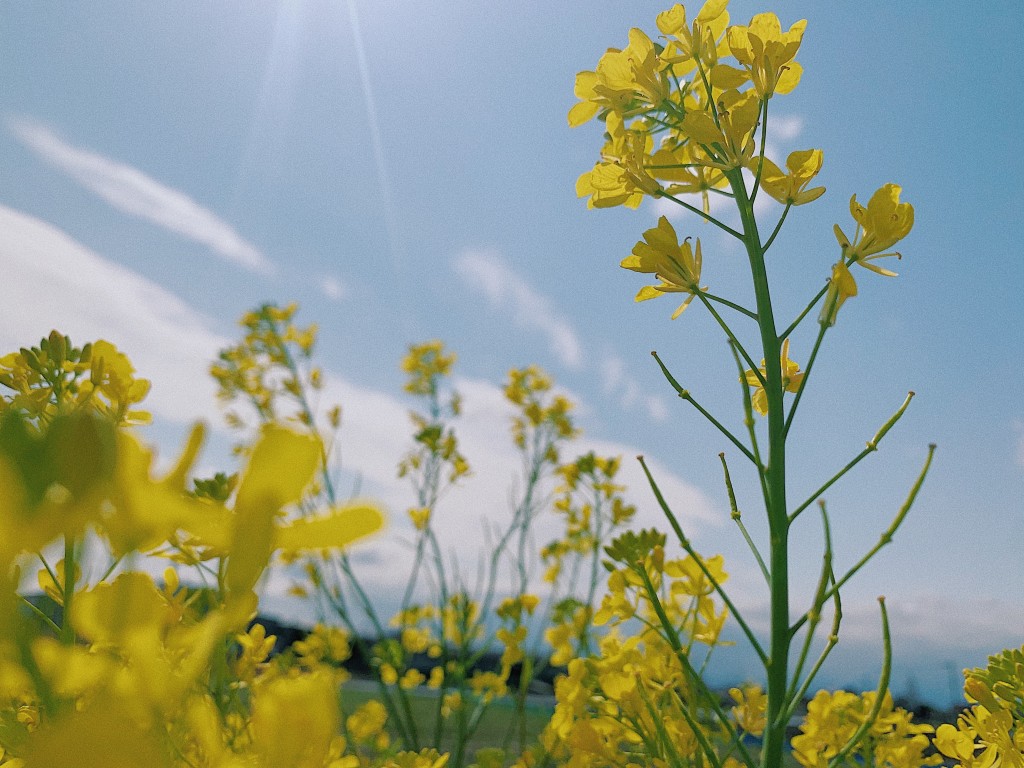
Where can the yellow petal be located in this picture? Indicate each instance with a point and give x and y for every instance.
(789, 77)
(105, 736)
(582, 112)
(280, 468)
(647, 292)
(337, 529)
(725, 77)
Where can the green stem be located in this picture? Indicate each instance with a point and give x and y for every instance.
(732, 305)
(665, 742)
(814, 613)
(669, 633)
(886, 537)
(799, 318)
(706, 216)
(46, 619)
(760, 165)
(778, 228)
(833, 640)
(883, 687)
(749, 422)
(732, 337)
(67, 631)
(822, 329)
(775, 484)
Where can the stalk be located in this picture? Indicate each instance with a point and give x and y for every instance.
(774, 474)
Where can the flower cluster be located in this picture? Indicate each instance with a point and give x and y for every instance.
(850, 729)
(57, 378)
(175, 671)
(991, 731)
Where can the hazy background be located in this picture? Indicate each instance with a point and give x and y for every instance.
(404, 169)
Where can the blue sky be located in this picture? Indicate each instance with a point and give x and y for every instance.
(404, 169)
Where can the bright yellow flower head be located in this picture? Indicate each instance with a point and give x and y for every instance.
(766, 54)
(694, 42)
(791, 188)
(883, 223)
(729, 143)
(676, 264)
(626, 81)
(791, 378)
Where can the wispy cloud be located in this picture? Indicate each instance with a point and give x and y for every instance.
(131, 191)
(52, 281)
(487, 272)
(618, 384)
(333, 288)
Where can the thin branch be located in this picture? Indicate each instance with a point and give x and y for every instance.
(735, 514)
(706, 216)
(886, 537)
(822, 329)
(685, 395)
(871, 447)
(778, 228)
(684, 542)
(883, 687)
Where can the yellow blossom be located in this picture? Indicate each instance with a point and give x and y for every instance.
(791, 378)
(750, 709)
(765, 54)
(791, 188)
(676, 265)
(841, 287)
(883, 223)
(420, 517)
(625, 81)
(696, 42)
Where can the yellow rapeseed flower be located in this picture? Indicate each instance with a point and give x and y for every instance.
(676, 264)
(791, 378)
(790, 188)
(765, 54)
(883, 223)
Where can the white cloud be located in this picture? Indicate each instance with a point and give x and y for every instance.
(785, 127)
(617, 383)
(487, 272)
(656, 407)
(333, 288)
(52, 281)
(133, 192)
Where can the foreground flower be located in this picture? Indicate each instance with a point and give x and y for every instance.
(841, 287)
(626, 81)
(791, 379)
(765, 54)
(791, 188)
(880, 226)
(689, 43)
(676, 264)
